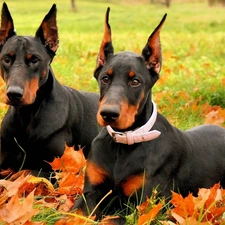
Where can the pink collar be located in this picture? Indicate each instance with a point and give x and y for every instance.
(141, 134)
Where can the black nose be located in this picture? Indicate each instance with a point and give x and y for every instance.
(110, 113)
(14, 93)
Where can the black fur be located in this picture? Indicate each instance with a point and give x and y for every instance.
(43, 115)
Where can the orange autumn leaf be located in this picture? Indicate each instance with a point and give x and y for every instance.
(223, 81)
(213, 193)
(22, 210)
(183, 206)
(7, 172)
(56, 164)
(213, 114)
(150, 215)
(71, 176)
(34, 223)
(76, 219)
(108, 220)
(214, 204)
(193, 221)
(70, 183)
(208, 206)
(71, 161)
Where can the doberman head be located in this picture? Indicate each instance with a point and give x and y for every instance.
(125, 79)
(25, 60)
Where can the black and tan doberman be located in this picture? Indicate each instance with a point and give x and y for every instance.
(43, 115)
(138, 150)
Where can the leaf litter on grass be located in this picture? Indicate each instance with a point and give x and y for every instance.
(26, 199)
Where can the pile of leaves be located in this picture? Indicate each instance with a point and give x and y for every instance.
(26, 199)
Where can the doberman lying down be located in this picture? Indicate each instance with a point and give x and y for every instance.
(43, 115)
(139, 150)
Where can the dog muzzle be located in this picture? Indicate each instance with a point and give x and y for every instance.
(142, 134)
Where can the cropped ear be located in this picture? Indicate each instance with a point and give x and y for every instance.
(106, 48)
(152, 51)
(48, 32)
(7, 26)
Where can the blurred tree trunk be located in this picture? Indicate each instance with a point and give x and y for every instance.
(166, 2)
(214, 2)
(73, 5)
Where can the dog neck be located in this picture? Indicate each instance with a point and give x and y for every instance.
(140, 134)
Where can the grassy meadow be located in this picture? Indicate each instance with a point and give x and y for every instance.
(193, 45)
(191, 89)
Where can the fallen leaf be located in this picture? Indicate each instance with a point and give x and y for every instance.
(36, 180)
(71, 161)
(13, 186)
(148, 217)
(184, 207)
(22, 210)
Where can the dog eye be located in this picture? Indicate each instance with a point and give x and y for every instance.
(105, 80)
(7, 60)
(34, 59)
(135, 82)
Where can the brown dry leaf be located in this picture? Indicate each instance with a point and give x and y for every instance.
(16, 175)
(7, 172)
(143, 208)
(13, 186)
(34, 223)
(65, 203)
(22, 210)
(40, 189)
(177, 217)
(3, 195)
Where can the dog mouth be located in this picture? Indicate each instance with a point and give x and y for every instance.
(19, 96)
(19, 101)
(16, 103)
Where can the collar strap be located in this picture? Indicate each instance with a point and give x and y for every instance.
(141, 134)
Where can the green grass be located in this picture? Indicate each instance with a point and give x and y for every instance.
(193, 40)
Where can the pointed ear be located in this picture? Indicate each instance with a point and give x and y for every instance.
(106, 47)
(152, 51)
(7, 27)
(48, 31)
